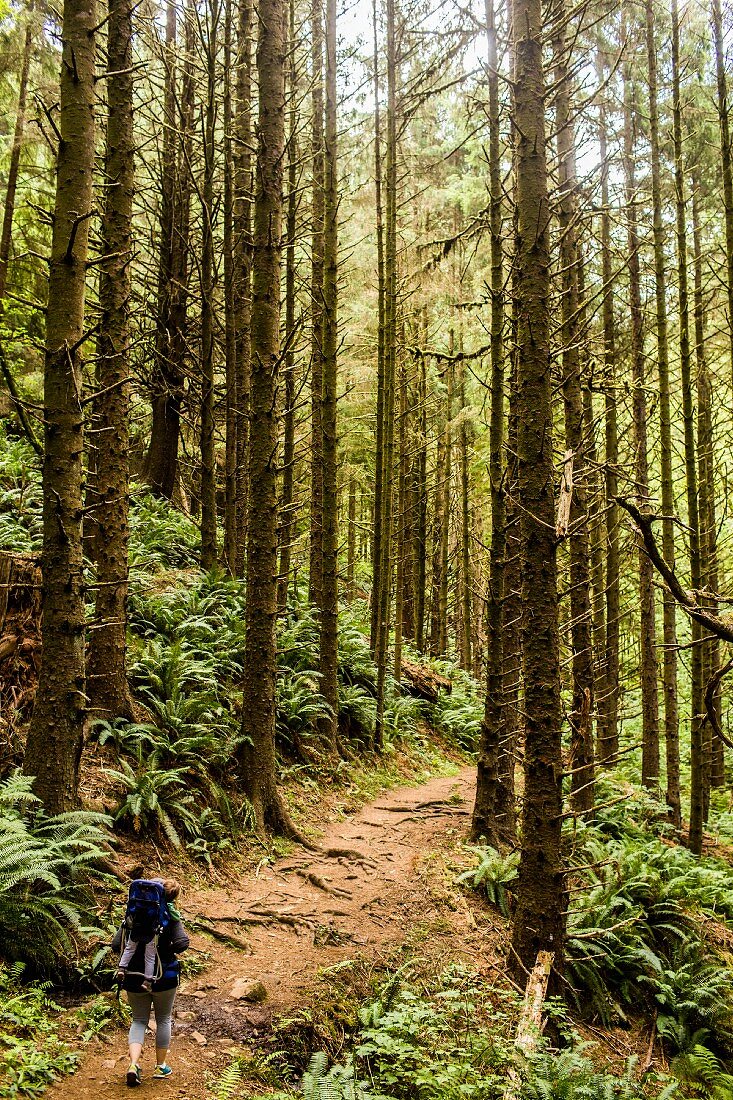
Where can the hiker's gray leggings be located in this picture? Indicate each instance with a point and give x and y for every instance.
(141, 1003)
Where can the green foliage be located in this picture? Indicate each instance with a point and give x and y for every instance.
(31, 1054)
(44, 867)
(446, 1039)
(571, 1075)
(161, 535)
(493, 875)
(702, 1074)
(460, 714)
(337, 1083)
(153, 796)
(227, 1084)
(20, 496)
(439, 1043)
(101, 1013)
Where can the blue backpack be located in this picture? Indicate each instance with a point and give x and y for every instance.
(147, 910)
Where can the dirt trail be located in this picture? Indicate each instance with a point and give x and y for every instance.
(358, 894)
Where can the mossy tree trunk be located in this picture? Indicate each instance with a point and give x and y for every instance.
(669, 680)
(315, 576)
(107, 686)
(257, 753)
(207, 448)
(647, 635)
(699, 772)
(581, 724)
(287, 498)
(161, 460)
(539, 916)
(608, 733)
(328, 662)
(56, 733)
(243, 187)
(493, 811)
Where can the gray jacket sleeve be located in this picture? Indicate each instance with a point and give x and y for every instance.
(117, 941)
(179, 937)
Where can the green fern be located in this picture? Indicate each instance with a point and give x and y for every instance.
(493, 875)
(228, 1082)
(44, 867)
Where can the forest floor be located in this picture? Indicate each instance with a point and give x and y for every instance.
(381, 882)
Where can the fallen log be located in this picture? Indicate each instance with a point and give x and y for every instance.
(529, 1027)
(423, 682)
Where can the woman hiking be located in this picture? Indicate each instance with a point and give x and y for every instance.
(151, 919)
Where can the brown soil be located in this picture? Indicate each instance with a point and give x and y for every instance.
(381, 879)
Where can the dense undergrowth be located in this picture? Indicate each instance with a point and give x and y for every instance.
(649, 933)
(445, 1036)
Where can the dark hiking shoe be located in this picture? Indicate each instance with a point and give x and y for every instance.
(133, 1076)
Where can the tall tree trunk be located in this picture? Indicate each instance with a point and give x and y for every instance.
(608, 704)
(493, 811)
(351, 541)
(243, 187)
(377, 541)
(287, 499)
(390, 349)
(401, 523)
(466, 571)
(230, 321)
(6, 232)
(698, 768)
(15, 151)
(706, 480)
(539, 916)
(671, 718)
(421, 492)
(315, 582)
(581, 725)
(647, 637)
(161, 462)
(56, 733)
(206, 442)
(329, 431)
(107, 675)
(596, 531)
(259, 705)
(726, 156)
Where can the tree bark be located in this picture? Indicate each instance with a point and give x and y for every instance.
(647, 638)
(329, 427)
(230, 324)
(257, 753)
(243, 186)
(107, 686)
(56, 733)
(581, 726)
(608, 703)
(493, 811)
(709, 577)
(287, 500)
(726, 157)
(539, 917)
(315, 576)
(377, 541)
(671, 717)
(161, 461)
(698, 765)
(206, 440)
